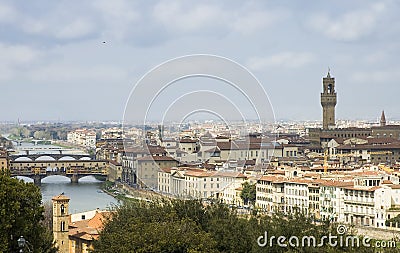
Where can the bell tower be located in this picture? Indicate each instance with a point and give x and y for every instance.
(383, 119)
(328, 102)
(61, 222)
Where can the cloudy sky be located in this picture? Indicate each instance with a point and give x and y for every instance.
(79, 60)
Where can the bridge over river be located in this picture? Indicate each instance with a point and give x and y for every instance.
(39, 166)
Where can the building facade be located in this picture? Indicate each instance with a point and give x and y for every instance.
(61, 221)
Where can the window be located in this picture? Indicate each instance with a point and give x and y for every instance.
(330, 88)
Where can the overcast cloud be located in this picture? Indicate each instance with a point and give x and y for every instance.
(79, 60)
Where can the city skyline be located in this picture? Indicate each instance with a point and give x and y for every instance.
(65, 62)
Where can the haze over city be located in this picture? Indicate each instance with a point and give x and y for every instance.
(199, 126)
(66, 62)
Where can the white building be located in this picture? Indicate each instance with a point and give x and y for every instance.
(197, 183)
(296, 195)
(82, 137)
(362, 198)
(112, 133)
(270, 193)
(331, 199)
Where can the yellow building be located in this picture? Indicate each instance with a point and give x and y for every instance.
(75, 233)
(114, 171)
(148, 168)
(61, 221)
(82, 233)
(4, 162)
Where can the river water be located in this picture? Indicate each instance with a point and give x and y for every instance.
(84, 196)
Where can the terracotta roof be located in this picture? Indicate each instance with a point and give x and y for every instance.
(387, 182)
(334, 183)
(198, 173)
(275, 179)
(367, 173)
(156, 158)
(115, 163)
(300, 181)
(167, 170)
(229, 174)
(229, 145)
(149, 149)
(247, 145)
(279, 172)
(214, 174)
(211, 150)
(371, 189)
(60, 197)
(3, 153)
(88, 230)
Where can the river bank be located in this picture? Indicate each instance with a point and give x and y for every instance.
(123, 192)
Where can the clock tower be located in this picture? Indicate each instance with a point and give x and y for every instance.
(328, 102)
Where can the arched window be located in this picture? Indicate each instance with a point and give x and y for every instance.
(330, 88)
(62, 209)
(63, 226)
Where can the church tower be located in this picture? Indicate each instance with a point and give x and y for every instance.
(328, 102)
(383, 119)
(61, 222)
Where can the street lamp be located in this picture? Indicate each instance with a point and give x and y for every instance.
(21, 243)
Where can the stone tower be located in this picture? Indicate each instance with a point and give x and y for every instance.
(61, 220)
(383, 119)
(328, 102)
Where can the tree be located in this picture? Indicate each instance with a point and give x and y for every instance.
(25, 132)
(155, 227)
(395, 221)
(248, 194)
(41, 135)
(48, 215)
(21, 214)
